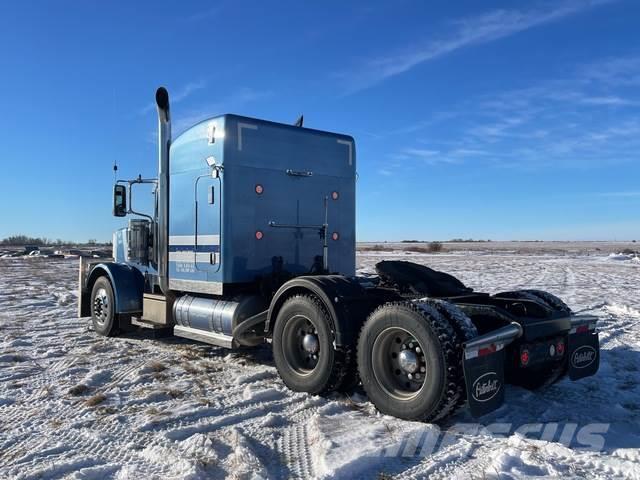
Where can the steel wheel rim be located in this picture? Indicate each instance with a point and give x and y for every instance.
(300, 360)
(392, 376)
(101, 307)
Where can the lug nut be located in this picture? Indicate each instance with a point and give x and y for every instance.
(418, 350)
(422, 369)
(410, 376)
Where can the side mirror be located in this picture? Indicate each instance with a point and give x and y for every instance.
(119, 201)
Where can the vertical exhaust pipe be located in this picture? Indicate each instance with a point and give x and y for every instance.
(162, 229)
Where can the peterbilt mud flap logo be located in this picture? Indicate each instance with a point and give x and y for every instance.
(583, 356)
(486, 387)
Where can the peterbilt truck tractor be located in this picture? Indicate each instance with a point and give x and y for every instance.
(252, 239)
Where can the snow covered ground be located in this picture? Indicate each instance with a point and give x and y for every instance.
(75, 405)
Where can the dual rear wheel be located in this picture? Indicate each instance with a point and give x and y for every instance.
(408, 356)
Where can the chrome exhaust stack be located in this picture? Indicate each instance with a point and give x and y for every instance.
(162, 229)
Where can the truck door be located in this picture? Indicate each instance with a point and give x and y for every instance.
(207, 211)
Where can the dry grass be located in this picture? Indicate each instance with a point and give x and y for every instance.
(190, 368)
(192, 352)
(159, 376)
(157, 366)
(174, 393)
(107, 410)
(210, 367)
(432, 247)
(375, 248)
(97, 399)
(78, 390)
(55, 423)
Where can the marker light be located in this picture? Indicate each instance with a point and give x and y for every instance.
(560, 348)
(335, 195)
(335, 236)
(487, 350)
(524, 357)
(259, 235)
(259, 189)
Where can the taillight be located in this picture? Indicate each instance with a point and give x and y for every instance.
(560, 348)
(487, 350)
(524, 357)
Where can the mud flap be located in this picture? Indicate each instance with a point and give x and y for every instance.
(484, 380)
(483, 365)
(584, 354)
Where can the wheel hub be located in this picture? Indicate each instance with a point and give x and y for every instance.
(101, 305)
(310, 343)
(399, 363)
(302, 344)
(408, 361)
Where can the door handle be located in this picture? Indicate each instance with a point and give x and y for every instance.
(298, 173)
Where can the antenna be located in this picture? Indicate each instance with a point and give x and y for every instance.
(115, 171)
(299, 121)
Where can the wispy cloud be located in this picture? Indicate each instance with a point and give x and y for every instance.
(620, 194)
(464, 33)
(190, 117)
(620, 71)
(179, 96)
(203, 15)
(232, 101)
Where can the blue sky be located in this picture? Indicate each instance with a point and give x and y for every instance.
(501, 120)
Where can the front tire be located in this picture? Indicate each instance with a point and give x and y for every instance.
(303, 347)
(409, 362)
(103, 313)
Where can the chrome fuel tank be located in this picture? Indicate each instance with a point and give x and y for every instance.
(215, 315)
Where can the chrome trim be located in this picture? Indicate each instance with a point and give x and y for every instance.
(202, 336)
(212, 258)
(191, 240)
(196, 286)
(580, 320)
(500, 337)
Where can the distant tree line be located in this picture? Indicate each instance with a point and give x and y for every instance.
(453, 240)
(20, 240)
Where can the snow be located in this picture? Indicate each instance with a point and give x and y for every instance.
(178, 409)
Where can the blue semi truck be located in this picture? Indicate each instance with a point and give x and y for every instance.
(252, 240)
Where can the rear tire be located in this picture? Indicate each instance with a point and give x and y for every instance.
(400, 340)
(103, 316)
(537, 379)
(554, 302)
(304, 368)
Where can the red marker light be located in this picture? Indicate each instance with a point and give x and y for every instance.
(259, 235)
(524, 357)
(335, 236)
(335, 195)
(560, 348)
(487, 350)
(259, 189)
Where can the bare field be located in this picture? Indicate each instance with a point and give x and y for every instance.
(75, 405)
